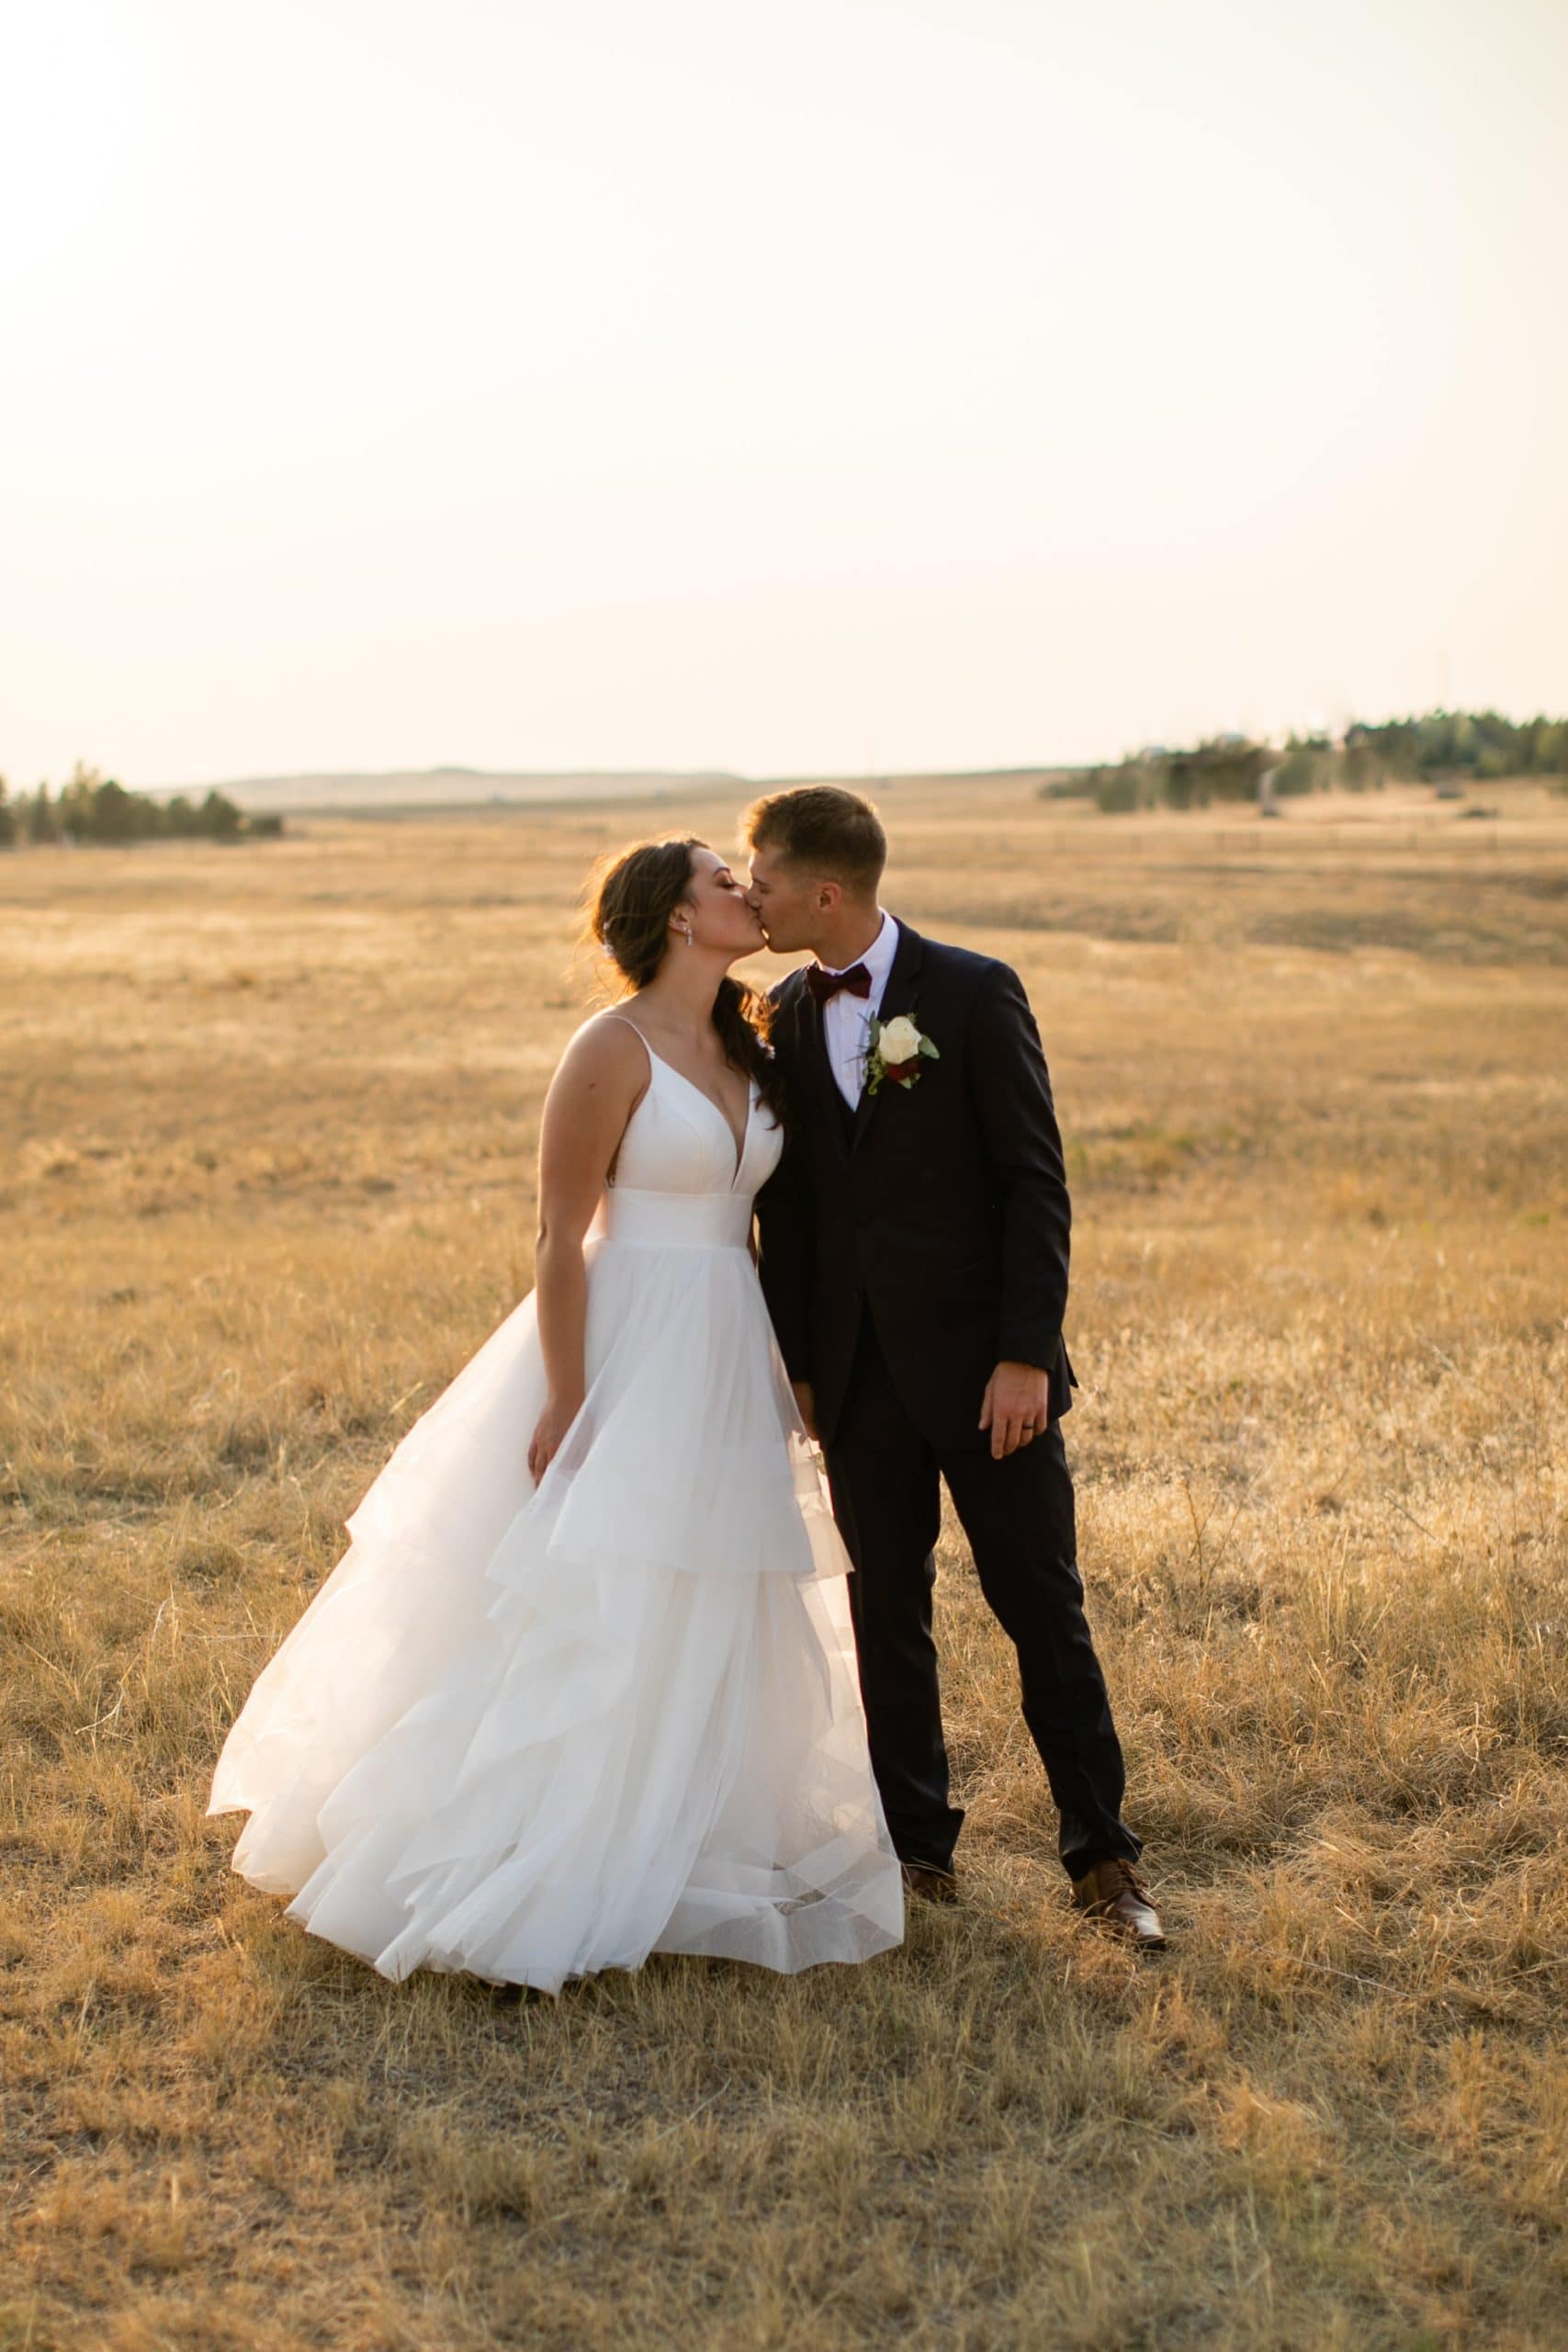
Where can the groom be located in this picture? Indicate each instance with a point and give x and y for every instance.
(913, 1249)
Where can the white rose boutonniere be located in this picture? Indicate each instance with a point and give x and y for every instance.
(895, 1049)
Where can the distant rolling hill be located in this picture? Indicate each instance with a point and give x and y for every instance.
(447, 788)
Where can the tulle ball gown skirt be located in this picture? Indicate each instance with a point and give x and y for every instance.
(532, 1733)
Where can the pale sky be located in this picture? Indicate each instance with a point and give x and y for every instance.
(831, 385)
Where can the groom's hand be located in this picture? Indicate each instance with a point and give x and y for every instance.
(1016, 1407)
(805, 1399)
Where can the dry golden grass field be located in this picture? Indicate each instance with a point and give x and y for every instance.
(270, 1116)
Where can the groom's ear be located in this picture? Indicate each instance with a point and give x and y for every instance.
(829, 897)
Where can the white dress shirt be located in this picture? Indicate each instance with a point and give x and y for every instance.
(846, 1019)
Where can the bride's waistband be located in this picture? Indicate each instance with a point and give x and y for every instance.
(677, 1220)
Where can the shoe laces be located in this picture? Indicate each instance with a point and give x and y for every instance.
(1124, 1879)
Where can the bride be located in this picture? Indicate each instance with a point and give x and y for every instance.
(583, 1687)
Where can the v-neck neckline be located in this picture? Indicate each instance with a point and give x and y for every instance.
(704, 1096)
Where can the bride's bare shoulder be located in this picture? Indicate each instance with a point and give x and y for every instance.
(608, 1049)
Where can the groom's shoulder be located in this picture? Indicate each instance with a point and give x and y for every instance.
(963, 967)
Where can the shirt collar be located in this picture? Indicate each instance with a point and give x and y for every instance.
(878, 956)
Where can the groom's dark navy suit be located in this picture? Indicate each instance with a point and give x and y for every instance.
(907, 1247)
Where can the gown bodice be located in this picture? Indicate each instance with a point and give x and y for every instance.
(678, 1182)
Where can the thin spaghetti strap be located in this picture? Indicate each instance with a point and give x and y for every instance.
(608, 1014)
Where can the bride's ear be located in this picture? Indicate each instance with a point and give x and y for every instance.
(682, 928)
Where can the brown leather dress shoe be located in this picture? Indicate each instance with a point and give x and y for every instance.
(928, 1885)
(1116, 1899)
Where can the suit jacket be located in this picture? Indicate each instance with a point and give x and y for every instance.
(941, 1206)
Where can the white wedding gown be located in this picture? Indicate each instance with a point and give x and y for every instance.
(532, 1733)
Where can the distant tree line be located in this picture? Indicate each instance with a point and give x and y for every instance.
(1444, 744)
(1481, 743)
(94, 807)
(1224, 767)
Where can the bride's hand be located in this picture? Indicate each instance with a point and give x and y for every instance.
(552, 1425)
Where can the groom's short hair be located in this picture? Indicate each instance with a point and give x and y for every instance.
(824, 829)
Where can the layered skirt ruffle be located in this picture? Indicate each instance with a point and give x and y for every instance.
(536, 1733)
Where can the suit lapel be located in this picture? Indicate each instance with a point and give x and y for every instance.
(817, 1073)
(897, 997)
(835, 1110)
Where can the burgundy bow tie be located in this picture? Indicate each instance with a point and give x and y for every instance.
(824, 984)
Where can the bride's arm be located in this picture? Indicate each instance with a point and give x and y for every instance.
(593, 1094)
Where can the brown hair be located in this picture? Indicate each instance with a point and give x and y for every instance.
(822, 826)
(632, 898)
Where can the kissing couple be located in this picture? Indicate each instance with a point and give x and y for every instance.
(608, 1667)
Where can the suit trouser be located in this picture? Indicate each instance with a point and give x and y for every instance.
(1018, 1515)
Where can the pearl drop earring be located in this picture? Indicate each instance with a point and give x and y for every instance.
(690, 936)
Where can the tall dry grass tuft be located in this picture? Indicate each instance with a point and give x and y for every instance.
(274, 1116)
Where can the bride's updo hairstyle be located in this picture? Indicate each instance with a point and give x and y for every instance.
(631, 901)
